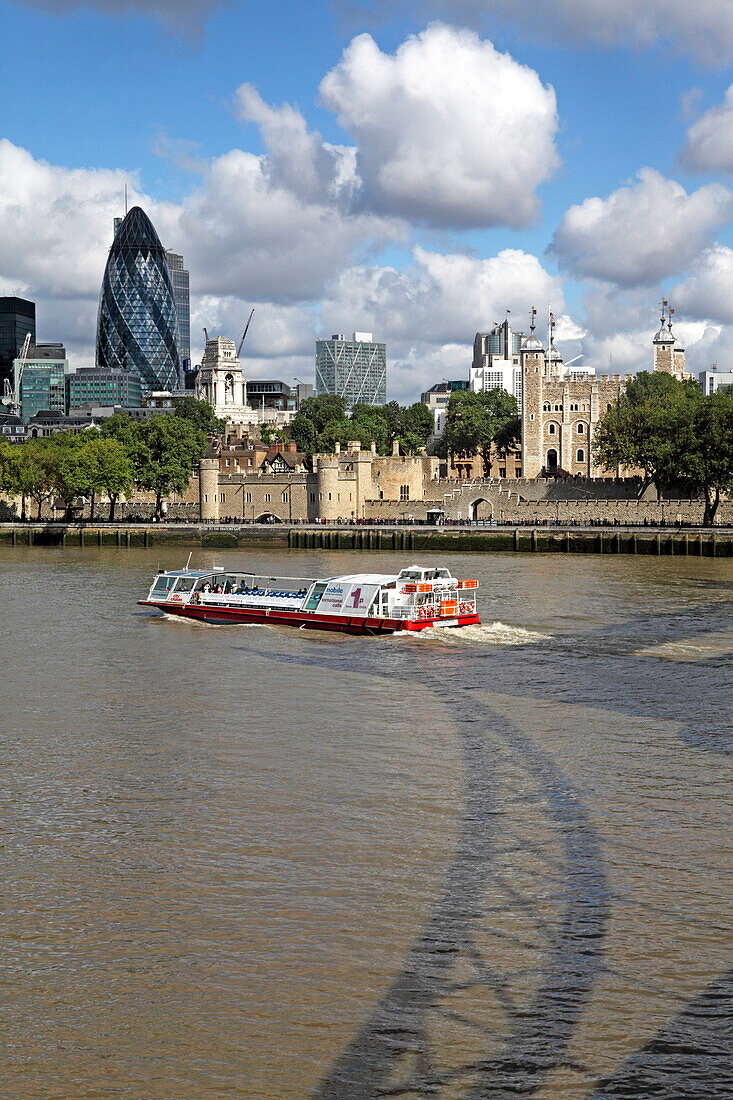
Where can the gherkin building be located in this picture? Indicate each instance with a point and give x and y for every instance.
(137, 324)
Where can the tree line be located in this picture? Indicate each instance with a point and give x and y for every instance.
(322, 422)
(676, 435)
(157, 455)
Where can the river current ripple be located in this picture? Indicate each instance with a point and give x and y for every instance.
(267, 863)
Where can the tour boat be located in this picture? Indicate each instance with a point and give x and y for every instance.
(359, 603)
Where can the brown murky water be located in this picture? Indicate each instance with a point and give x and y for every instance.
(260, 862)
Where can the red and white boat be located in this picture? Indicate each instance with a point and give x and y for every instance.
(360, 603)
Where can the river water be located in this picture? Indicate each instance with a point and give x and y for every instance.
(268, 863)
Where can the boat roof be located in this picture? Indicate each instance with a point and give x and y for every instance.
(365, 578)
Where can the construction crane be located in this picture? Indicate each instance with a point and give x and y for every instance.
(18, 372)
(246, 328)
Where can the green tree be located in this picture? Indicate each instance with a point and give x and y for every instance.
(475, 421)
(35, 472)
(642, 428)
(416, 427)
(200, 413)
(369, 425)
(270, 435)
(10, 481)
(126, 431)
(169, 449)
(705, 448)
(70, 455)
(315, 416)
(335, 431)
(112, 469)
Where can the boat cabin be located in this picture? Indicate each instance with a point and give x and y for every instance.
(415, 592)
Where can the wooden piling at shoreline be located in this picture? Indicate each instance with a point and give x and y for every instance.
(407, 540)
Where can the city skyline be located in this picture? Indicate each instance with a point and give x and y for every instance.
(377, 171)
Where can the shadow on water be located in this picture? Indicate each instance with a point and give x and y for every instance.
(516, 1040)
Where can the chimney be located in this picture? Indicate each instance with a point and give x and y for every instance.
(292, 448)
(373, 449)
(396, 449)
(337, 448)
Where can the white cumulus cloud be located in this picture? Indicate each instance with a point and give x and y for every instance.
(641, 233)
(707, 292)
(709, 145)
(449, 131)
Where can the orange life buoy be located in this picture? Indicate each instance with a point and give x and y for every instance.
(421, 612)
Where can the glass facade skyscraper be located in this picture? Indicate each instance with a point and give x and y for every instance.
(42, 380)
(17, 319)
(182, 298)
(353, 369)
(137, 326)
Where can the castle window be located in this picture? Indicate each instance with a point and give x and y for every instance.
(284, 497)
(551, 429)
(580, 456)
(313, 498)
(558, 408)
(580, 428)
(248, 498)
(404, 492)
(267, 498)
(546, 408)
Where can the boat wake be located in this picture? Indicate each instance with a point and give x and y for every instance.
(496, 633)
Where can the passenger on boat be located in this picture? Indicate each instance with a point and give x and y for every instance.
(218, 590)
(207, 587)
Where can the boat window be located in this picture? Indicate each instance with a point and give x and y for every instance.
(163, 584)
(315, 597)
(185, 584)
(442, 574)
(411, 575)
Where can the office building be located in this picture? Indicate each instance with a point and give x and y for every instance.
(182, 298)
(437, 398)
(137, 327)
(497, 362)
(101, 386)
(713, 380)
(40, 380)
(17, 319)
(273, 394)
(353, 369)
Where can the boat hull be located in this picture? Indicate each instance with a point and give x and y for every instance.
(310, 620)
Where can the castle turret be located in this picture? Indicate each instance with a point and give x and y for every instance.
(209, 489)
(533, 371)
(664, 346)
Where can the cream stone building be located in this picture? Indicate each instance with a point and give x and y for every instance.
(221, 382)
(562, 408)
(349, 485)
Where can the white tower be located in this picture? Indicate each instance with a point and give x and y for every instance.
(221, 382)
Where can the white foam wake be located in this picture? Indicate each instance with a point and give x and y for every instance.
(496, 633)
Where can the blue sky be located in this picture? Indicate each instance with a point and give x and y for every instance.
(464, 158)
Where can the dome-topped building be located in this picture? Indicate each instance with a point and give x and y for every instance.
(137, 324)
(669, 352)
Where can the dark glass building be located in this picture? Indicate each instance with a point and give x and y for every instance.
(17, 319)
(137, 327)
(182, 298)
